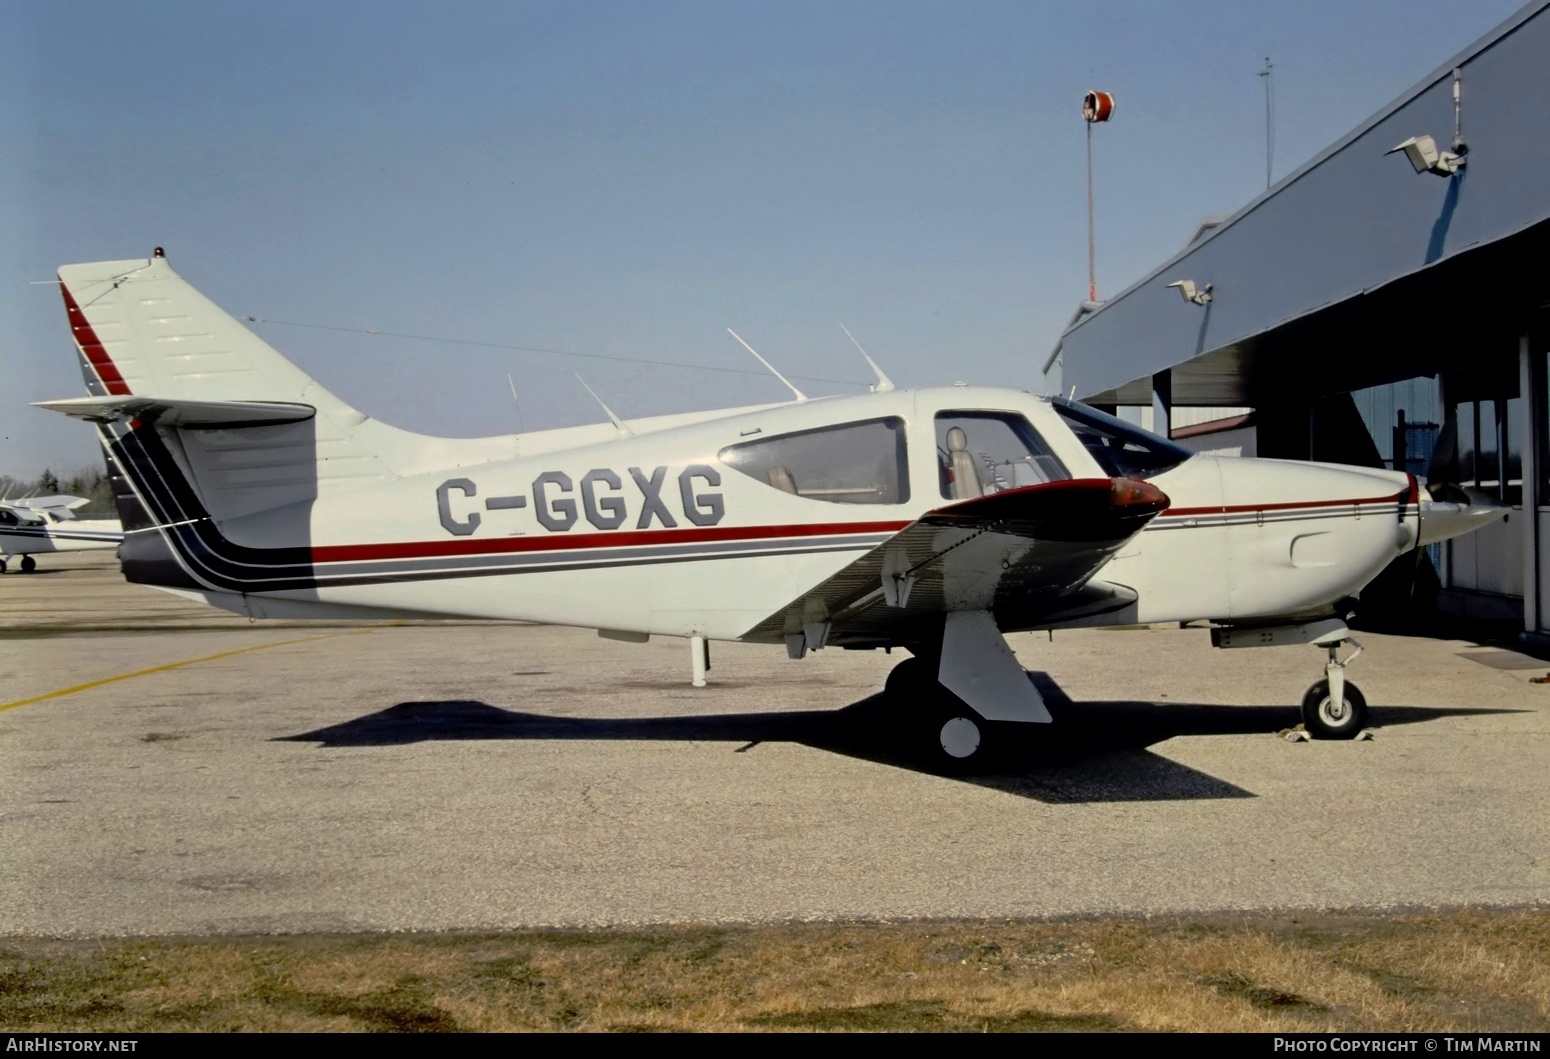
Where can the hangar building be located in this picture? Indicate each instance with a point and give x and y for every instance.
(1362, 300)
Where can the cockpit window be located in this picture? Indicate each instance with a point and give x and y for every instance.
(979, 453)
(1122, 449)
(853, 463)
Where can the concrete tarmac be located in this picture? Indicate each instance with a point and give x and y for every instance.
(296, 776)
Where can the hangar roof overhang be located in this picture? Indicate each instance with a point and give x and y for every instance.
(1355, 269)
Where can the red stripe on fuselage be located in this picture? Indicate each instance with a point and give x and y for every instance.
(1404, 496)
(340, 553)
(91, 346)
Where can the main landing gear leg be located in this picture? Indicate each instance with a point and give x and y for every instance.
(1334, 708)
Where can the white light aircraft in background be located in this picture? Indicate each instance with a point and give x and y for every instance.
(933, 520)
(48, 524)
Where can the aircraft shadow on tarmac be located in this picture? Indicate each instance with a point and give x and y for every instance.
(1094, 752)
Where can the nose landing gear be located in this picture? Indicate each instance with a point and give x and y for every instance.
(1334, 708)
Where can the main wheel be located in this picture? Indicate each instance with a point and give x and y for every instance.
(945, 731)
(958, 735)
(1327, 719)
(2, 566)
(29, 564)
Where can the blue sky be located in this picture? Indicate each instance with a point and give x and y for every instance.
(631, 179)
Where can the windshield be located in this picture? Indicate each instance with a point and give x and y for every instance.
(1122, 449)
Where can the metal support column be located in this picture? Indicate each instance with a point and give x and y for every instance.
(1162, 403)
(1529, 433)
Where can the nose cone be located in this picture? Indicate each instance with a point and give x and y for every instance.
(1441, 520)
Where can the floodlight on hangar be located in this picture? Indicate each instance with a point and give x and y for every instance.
(1192, 294)
(1422, 150)
(1426, 158)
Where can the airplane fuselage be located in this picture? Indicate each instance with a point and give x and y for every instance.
(657, 532)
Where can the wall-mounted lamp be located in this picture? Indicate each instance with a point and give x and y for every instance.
(1422, 150)
(1426, 158)
(1194, 297)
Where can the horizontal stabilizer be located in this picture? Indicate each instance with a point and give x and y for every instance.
(181, 412)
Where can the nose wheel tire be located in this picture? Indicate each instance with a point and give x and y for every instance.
(29, 564)
(1325, 719)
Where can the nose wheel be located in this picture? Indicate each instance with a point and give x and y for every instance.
(1334, 708)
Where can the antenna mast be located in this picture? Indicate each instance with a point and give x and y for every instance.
(1270, 124)
(800, 395)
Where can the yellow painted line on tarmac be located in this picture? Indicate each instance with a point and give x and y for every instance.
(188, 662)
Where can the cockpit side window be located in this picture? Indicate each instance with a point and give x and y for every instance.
(979, 453)
(8, 518)
(1122, 449)
(852, 463)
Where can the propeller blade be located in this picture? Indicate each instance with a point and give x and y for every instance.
(1442, 470)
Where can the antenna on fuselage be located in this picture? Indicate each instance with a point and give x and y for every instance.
(612, 418)
(884, 383)
(800, 395)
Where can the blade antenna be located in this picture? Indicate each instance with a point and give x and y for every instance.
(612, 418)
(800, 395)
(884, 383)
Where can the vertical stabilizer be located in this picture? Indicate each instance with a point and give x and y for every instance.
(142, 329)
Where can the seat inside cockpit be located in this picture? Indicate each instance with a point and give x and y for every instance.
(980, 453)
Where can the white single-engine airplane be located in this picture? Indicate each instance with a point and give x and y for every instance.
(48, 524)
(934, 520)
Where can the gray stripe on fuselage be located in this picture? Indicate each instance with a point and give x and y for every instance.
(572, 558)
(393, 577)
(1250, 518)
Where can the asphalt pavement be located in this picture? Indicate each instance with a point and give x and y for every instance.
(170, 769)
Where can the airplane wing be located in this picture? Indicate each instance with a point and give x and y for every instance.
(46, 503)
(1028, 555)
